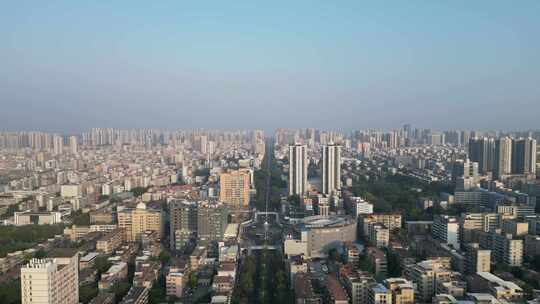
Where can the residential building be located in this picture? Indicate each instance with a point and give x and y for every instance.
(54, 280)
(331, 168)
(446, 229)
(298, 165)
(234, 188)
(136, 221)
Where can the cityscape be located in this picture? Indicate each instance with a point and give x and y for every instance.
(250, 152)
(301, 215)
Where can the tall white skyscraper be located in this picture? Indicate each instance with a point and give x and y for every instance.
(58, 144)
(298, 166)
(73, 146)
(331, 168)
(503, 157)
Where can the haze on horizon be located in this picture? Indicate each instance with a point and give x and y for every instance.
(67, 66)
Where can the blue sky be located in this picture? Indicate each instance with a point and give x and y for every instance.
(71, 65)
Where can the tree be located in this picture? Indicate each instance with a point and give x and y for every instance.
(87, 292)
(138, 191)
(394, 264)
(120, 289)
(40, 254)
(294, 200)
(193, 280)
(81, 219)
(102, 264)
(10, 292)
(536, 262)
(164, 257)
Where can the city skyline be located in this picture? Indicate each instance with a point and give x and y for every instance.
(260, 65)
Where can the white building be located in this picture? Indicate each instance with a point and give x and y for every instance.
(298, 164)
(331, 168)
(51, 281)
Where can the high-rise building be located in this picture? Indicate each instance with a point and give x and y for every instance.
(58, 144)
(503, 157)
(524, 156)
(138, 220)
(482, 150)
(54, 280)
(73, 146)
(183, 222)
(331, 168)
(506, 249)
(212, 219)
(203, 220)
(234, 188)
(477, 259)
(446, 229)
(298, 164)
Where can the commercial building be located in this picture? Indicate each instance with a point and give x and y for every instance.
(37, 218)
(320, 234)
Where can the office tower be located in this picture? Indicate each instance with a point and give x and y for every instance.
(138, 220)
(331, 168)
(503, 157)
(212, 220)
(482, 150)
(524, 156)
(73, 147)
(298, 165)
(477, 259)
(58, 145)
(54, 280)
(183, 222)
(234, 188)
(446, 229)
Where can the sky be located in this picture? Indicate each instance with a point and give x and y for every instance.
(66, 66)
